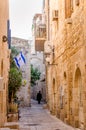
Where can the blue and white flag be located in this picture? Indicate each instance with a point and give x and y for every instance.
(20, 60)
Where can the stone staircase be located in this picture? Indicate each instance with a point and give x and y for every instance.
(10, 126)
(7, 129)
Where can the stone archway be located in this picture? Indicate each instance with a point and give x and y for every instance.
(37, 62)
(77, 99)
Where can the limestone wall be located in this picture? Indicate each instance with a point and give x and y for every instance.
(4, 61)
(24, 92)
(66, 89)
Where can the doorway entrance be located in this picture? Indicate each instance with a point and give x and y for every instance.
(78, 102)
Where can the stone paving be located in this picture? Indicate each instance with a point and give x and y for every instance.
(37, 118)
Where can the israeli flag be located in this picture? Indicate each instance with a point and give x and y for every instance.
(20, 60)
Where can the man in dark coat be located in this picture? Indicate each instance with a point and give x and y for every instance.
(39, 97)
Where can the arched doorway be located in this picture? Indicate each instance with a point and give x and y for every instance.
(65, 96)
(54, 97)
(77, 99)
(54, 90)
(37, 62)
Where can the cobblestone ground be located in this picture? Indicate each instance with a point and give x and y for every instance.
(37, 118)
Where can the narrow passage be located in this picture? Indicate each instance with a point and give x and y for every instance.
(37, 118)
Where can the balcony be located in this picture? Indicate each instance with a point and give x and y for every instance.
(40, 37)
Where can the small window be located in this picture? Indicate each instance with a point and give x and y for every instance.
(68, 8)
(2, 68)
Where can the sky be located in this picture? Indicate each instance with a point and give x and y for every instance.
(21, 13)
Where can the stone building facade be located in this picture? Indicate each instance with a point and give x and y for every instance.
(4, 60)
(65, 58)
(24, 92)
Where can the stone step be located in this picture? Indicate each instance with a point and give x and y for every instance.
(12, 125)
(4, 128)
(7, 129)
(13, 129)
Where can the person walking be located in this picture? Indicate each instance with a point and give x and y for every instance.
(39, 97)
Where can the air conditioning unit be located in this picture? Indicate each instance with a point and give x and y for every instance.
(1, 83)
(55, 15)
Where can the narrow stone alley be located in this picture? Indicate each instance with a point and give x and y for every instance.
(37, 118)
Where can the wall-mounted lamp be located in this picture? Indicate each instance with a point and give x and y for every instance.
(49, 53)
(48, 59)
(52, 48)
(4, 38)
